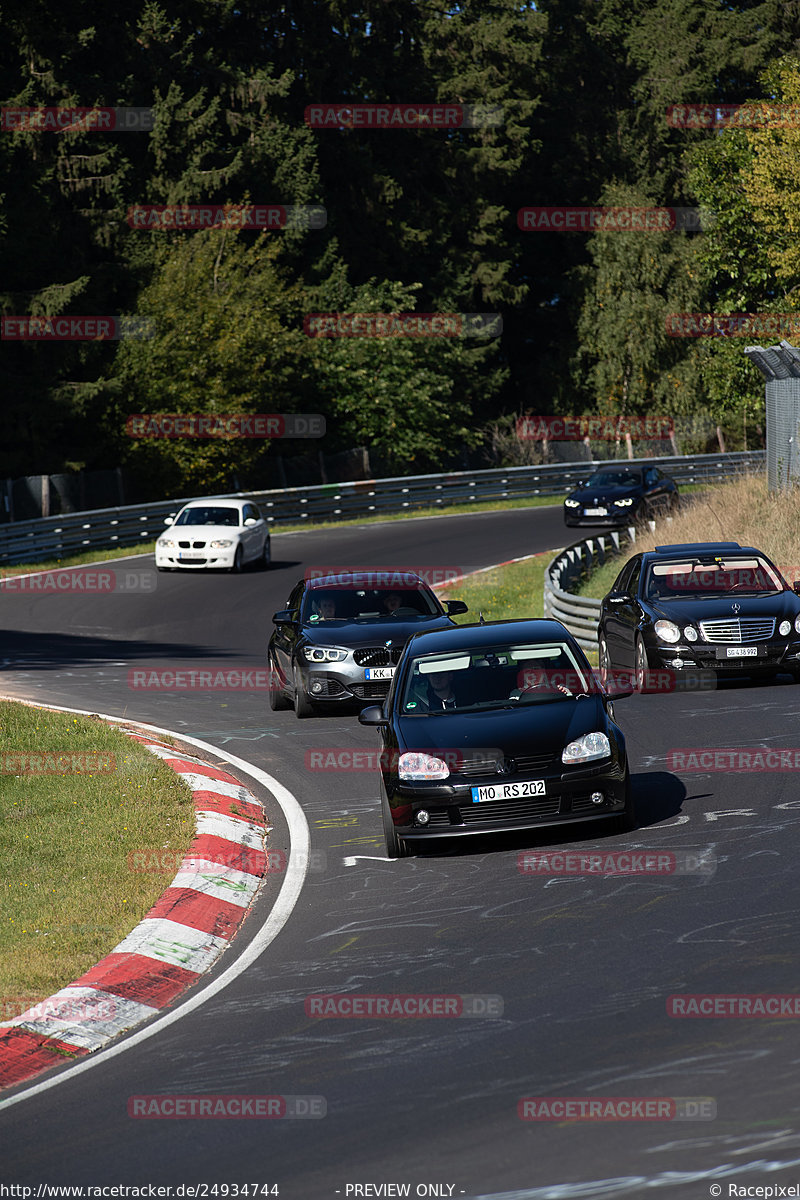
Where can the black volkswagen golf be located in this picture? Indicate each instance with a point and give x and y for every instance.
(494, 728)
(711, 606)
(621, 495)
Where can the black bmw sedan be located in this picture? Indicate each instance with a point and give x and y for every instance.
(621, 495)
(701, 606)
(341, 635)
(495, 728)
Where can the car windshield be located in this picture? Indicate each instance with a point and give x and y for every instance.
(202, 515)
(509, 675)
(386, 606)
(614, 479)
(700, 579)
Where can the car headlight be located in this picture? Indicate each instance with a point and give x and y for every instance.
(222, 544)
(785, 628)
(690, 633)
(667, 631)
(169, 545)
(797, 624)
(624, 503)
(572, 503)
(324, 654)
(415, 765)
(586, 748)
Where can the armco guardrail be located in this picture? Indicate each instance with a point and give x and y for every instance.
(580, 614)
(106, 528)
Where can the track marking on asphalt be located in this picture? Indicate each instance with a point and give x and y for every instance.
(299, 840)
(350, 861)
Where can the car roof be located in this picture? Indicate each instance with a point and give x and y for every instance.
(703, 549)
(469, 637)
(367, 578)
(216, 501)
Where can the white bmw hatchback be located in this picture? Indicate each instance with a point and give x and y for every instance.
(220, 534)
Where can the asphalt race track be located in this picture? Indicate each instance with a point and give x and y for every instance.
(583, 964)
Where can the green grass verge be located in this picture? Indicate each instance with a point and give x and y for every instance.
(67, 895)
(504, 593)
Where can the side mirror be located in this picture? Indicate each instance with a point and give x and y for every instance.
(169, 520)
(250, 521)
(373, 715)
(616, 684)
(454, 607)
(283, 617)
(796, 586)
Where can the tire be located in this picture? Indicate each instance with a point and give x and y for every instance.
(603, 659)
(277, 699)
(395, 846)
(264, 559)
(302, 705)
(642, 666)
(237, 562)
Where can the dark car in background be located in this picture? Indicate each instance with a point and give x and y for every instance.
(621, 495)
(700, 606)
(495, 728)
(341, 635)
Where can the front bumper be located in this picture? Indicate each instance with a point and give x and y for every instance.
(626, 516)
(216, 559)
(771, 655)
(341, 683)
(567, 800)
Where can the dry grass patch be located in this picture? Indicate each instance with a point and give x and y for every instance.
(739, 511)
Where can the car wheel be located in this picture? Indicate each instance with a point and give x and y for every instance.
(277, 697)
(265, 557)
(395, 846)
(302, 705)
(237, 561)
(675, 503)
(603, 659)
(642, 665)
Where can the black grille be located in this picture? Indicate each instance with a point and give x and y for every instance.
(371, 691)
(192, 545)
(484, 767)
(377, 656)
(330, 687)
(509, 810)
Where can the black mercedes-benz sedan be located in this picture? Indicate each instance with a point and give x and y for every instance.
(621, 495)
(341, 635)
(494, 728)
(701, 606)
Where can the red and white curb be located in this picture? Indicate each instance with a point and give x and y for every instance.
(185, 932)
